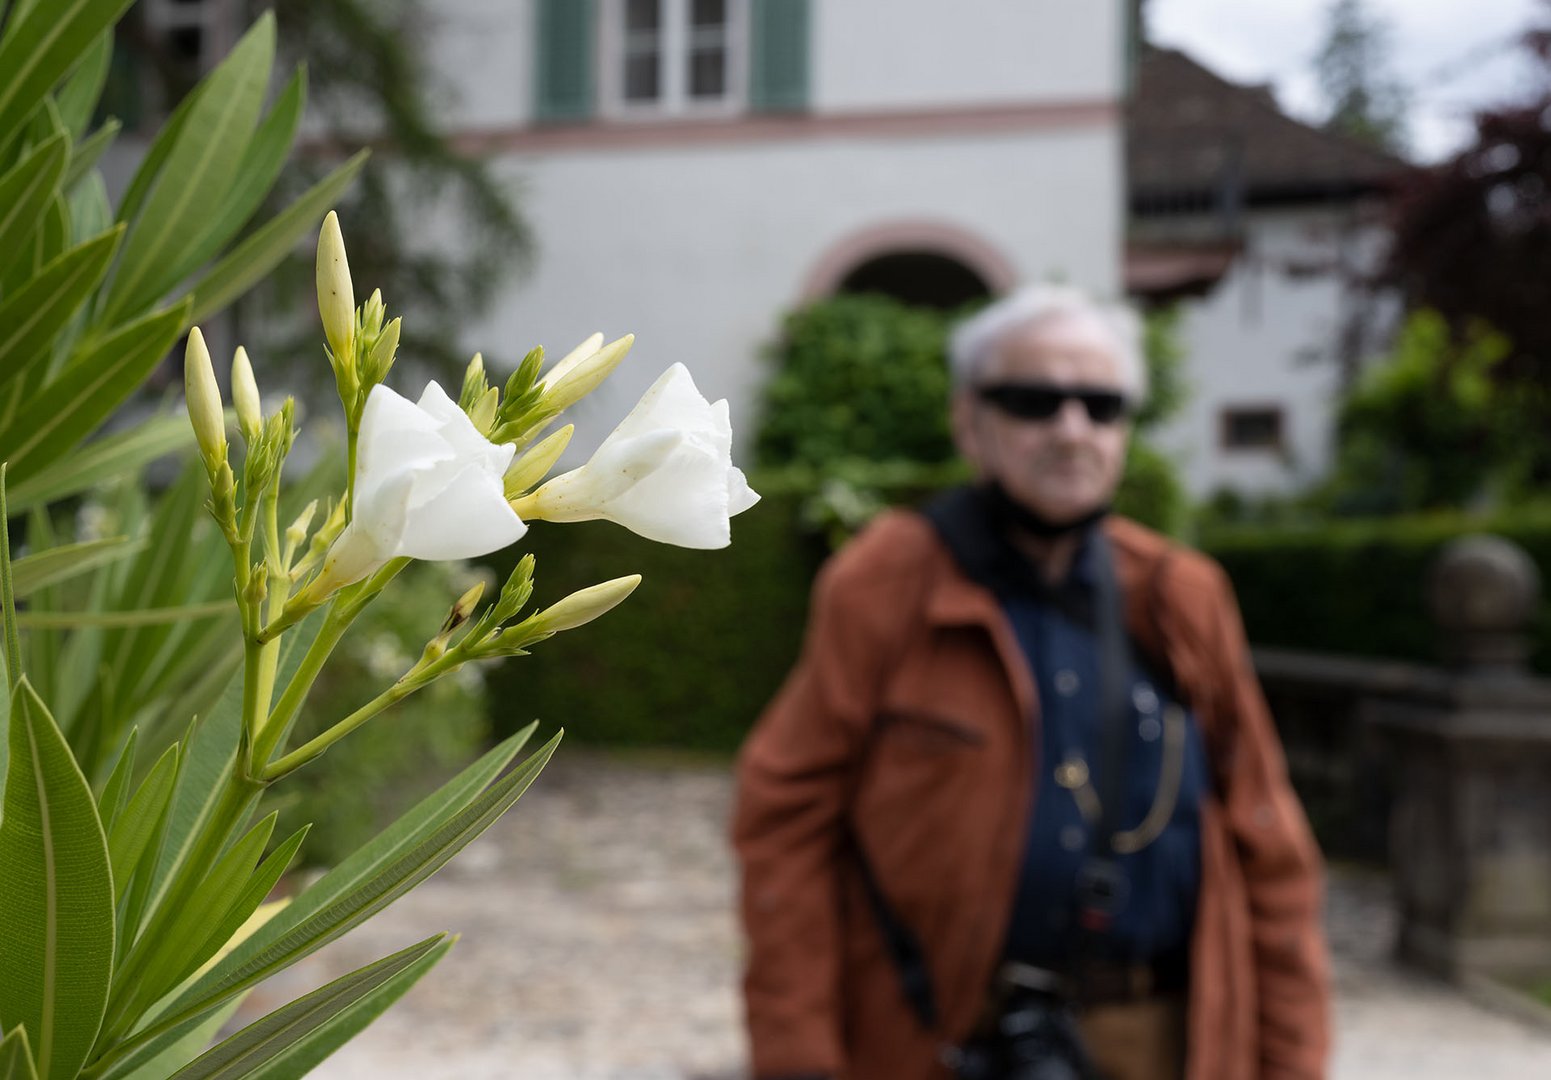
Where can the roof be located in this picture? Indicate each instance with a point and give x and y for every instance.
(1192, 136)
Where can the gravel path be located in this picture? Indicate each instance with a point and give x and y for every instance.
(598, 943)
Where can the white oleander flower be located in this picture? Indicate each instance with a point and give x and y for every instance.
(665, 472)
(428, 485)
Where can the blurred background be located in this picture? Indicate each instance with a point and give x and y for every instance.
(1336, 218)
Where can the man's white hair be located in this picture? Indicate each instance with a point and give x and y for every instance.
(975, 340)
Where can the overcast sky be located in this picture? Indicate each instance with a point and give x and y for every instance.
(1453, 55)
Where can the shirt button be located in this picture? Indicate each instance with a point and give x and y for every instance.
(1145, 700)
(1149, 728)
(1067, 683)
(1073, 838)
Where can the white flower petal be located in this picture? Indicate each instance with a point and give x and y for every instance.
(428, 485)
(465, 515)
(395, 434)
(460, 432)
(739, 495)
(683, 501)
(670, 402)
(665, 472)
(589, 492)
(372, 535)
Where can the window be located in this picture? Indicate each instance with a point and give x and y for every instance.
(1252, 428)
(643, 50)
(672, 57)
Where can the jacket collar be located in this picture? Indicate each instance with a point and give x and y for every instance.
(969, 595)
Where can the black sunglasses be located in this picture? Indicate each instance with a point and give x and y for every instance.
(1041, 401)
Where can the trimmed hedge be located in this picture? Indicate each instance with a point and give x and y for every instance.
(693, 656)
(689, 659)
(1359, 587)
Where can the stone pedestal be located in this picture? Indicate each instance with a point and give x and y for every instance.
(1470, 842)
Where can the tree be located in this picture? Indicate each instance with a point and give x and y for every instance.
(368, 85)
(1364, 100)
(1472, 240)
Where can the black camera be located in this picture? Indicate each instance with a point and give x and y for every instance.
(1035, 1038)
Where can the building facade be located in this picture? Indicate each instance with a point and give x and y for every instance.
(694, 169)
(1264, 230)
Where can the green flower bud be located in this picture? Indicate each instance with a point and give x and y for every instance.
(583, 606)
(372, 314)
(245, 395)
(583, 378)
(383, 351)
(474, 383)
(535, 464)
(482, 415)
(203, 397)
(515, 593)
(336, 296)
(462, 610)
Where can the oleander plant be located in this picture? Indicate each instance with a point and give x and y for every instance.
(134, 913)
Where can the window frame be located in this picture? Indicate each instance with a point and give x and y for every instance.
(675, 51)
(1226, 414)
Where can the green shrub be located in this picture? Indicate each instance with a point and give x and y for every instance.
(695, 653)
(857, 377)
(1358, 587)
(1431, 426)
(689, 659)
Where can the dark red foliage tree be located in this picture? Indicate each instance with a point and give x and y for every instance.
(1473, 236)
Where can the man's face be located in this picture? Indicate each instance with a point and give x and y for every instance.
(1067, 464)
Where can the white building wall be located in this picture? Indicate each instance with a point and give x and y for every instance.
(1268, 335)
(867, 55)
(699, 250)
(908, 54)
(482, 53)
(700, 247)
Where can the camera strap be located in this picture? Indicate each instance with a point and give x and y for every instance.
(1102, 885)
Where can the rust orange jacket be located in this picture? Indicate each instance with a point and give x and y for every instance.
(907, 727)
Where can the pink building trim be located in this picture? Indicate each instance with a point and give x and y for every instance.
(619, 134)
(936, 237)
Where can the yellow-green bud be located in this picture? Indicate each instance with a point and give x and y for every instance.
(245, 395)
(258, 585)
(564, 365)
(336, 296)
(372, 314)
(583, 606)
(474, 383)
(203, 397)
(297, 531)
(483, 413)
(534, 465)
(584, 378)
(382, 354)
(462, 610)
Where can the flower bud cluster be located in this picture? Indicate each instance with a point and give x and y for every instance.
(268, 449)
(440, 479)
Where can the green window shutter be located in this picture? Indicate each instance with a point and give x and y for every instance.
(563, 66)
(778, 55)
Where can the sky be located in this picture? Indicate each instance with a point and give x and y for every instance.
(1453, 56)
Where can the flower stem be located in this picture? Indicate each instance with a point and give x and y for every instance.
(352, 601)
(352, 437)
(400, 690)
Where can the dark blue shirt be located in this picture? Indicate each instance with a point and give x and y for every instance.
(1165, 741)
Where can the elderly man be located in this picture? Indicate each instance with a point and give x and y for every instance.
(1019, 810)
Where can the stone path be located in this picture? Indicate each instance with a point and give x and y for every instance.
(598, 943)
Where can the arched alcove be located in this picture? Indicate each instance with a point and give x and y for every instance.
(929, 263)
(918, 278)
